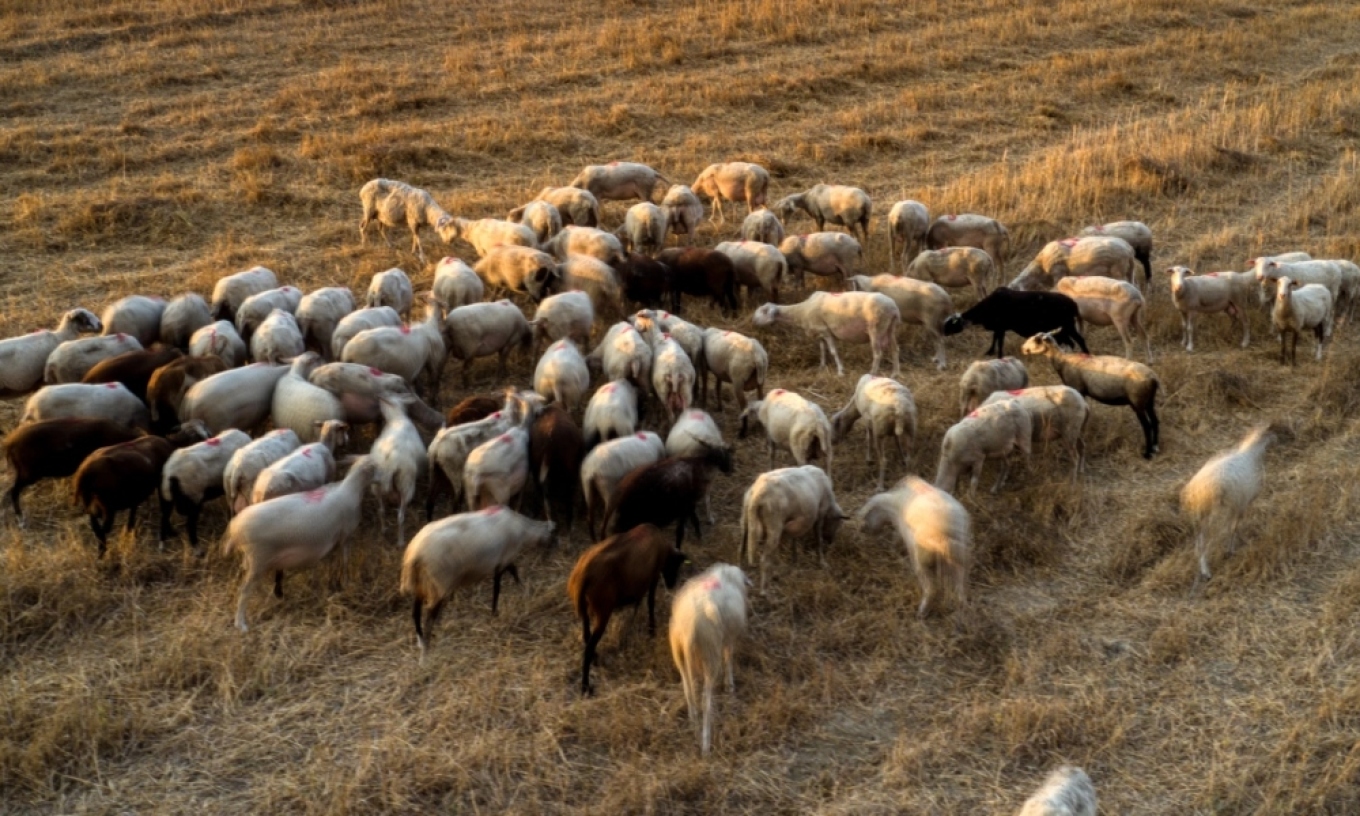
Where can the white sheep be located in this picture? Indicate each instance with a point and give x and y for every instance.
(277, 339)
(1227, 292)
(112, 401)
(790, 501)
(1136, 234)
(300, 406)
(935, 531)
(764, 226)
(853, 317)
(567, 315)
(734, 181)
(828, 254)
(231, 291)
(990, 432)
(456, 284)
(306, 468)
(391, 287)
(1218, 495)
(482, 329)
(448, 452)
(971, 230)
(673, 376)
(889, 411)
(399, 453)
(219, 339)
(72, 360)
(319, 314)
(919, 303)
(136, 315)
(1067, 792)
(611, 413)
(193, 476)
(954, 268)
(735, 359)
(623, 354)
(574, 205)
(23, 359)
(407, 351)
(394, 204)
(607, 463)
(644, 229)
(235, 398)
(708, 618)
(987, 376)
(541, 217)
(1103, 255)
(907, 224)
(483, 234)
(689, 336)
(497, 470)
(619, 181)
(509, 268)
(1300, 309)
(793, 424)
(1323, 273)
(1105, 301)
(684, 211)
(848, 207)
(1055, 412)
(584, 273)
(695, 434)
(757, 265)
(561, 375)
(182, 317)
(360, 320)
(259, 306)
(245, 465)
(589, 241)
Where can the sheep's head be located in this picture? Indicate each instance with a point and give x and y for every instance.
(305, 363)
(84, 320)
(954, 324)
(831, 524)
(876, 515)
(752, 410)
(189, 432)
(1041, 343)
(447, 228)
(766, 315)
(1284, 289)
(334, 432)
(785, 207)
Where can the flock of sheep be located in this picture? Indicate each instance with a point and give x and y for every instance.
(164, 399)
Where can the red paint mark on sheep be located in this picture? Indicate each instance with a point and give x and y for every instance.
(405, 329)
(121, 336)
(972, 414)
(376, 372)
(307, 452)
(776, 392)
(951, 217)
(696, 414)
(492, 510)
(607, 389)
(1017, 392)
(212, 443)
(314, 496)
(641, 435)
(111, 385)
(496, 415)
(503, 438)
(712, 584)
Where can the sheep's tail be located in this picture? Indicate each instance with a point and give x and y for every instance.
(229, 540)
(412, 576)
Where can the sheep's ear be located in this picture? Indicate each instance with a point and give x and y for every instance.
(317, 423)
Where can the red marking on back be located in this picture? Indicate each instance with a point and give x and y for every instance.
(1210, 274)
(121, 336)
(612, 164)
(1097, 228)
(665, 315)
(492, 510)
(448, 259)
(307, 452)
(505, 438)
(608, 389)
(496, 415)
(1069, 242)
(111, 385)
(696, 414)
(776, 392)
(376, 372)
(286, 289)
(951, 217)
(973, 414)
(666, 335)
(641, 435)
(835, 294)
(727, 334)
(212, 443)
(712, 584)
(1017, 392)
(314, 496)
(405, 329)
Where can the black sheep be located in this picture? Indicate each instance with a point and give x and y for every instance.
(1025, 313)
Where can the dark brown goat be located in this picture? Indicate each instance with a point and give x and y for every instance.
(644, 280)
(666, 491)
(122, 476)
(133, 369)
(168, 383)
(556, 448)
(701, 273)
(619, 571)
(54, 449)
(472, 409)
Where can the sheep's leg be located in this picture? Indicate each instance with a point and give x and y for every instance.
(14, 493)
(883, 459)
(706, 741)
(401, 525)
(694, 519)
(417, 612)
(132, 518)
(727, 661)
(242, 597)
(770, 448)
(1127, 337)
(167, 529)
(191, 524)
(840, 369)
(679, 533)
(496, 590)
(708, 508)
(1202, 550)
(278, 584)
(1001, 477)
(975, 476)
(927, 597)
(1187, 331)
(868, 441)
(651, 610)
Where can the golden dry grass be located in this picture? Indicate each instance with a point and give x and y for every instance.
(154, 146)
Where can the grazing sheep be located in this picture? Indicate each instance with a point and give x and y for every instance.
(623, 354)
(399, 453)
(684, 211)
(617, 573)
(791, 423)
(666, 492)
(72, 360)
(561, 375)
(611, 413)
(166, 388)
(764, 226)
(277, 339)
(954, 267)
(391, 288)
(990, 432)
(837, 204)
(1108, 380)
(256, 308)
(133, 369)
(574, 205)
(708, 618)
(182, 317)
(701, 272)
(471, 409)
(299, 405)
(1025, 313)
(828, 254)
(689, 336)
(111, 401)
(407, 351)
(295, 531)
(1299, 309)
(852, 317)
(192, 476)
(461, 550)
(644, 229)
(24, 359)
(606, 465)
(985, 377)
(1107, 302)
(360, 387)
(394, 203)
(734, 181)
(231, 291)
(1226, 292)
(735, 359)
(319, 314)
(619, 181)
(448, 452)
(644, 280)
(456, 284)
(1056, 412)
(935, 531)
(789, 501)
(907, 224)
(1067, 792)
(987, 234)
(483, 234)
(54, 449)
(497, 470)
(306, 468)
(541, 217)
(567, 315)
(673, 377)
(137, 316)
(235, 398)
(1218, 495)
(482, 329)
(246, 464)
(1137, 235)
(889, 411)
(219, 340)
(1106, 256)
(918, 303)
(691, 435)
(361, 320)
(556, 448)
(757, 266)
(584, 273)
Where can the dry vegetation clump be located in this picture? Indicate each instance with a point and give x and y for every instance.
(154, 147)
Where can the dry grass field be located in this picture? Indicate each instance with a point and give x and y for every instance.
(154, 146)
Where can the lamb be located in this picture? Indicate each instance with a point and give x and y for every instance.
(408, 351)
(954, 267)
(584, 273)
(391, 288)
(319, 314)
(1056, 412)
(561, 375)
(300, 406)
(509, 268)
(565, 315)
(619, 181)
(907, 224)
(556, 448)
(399, 453)
(54, 449)
(607, 463)
(757, 265)
(838, 204)
(918, 302)
(986, 377)
(456, 284)
(166, 388)
(23, 359)
(133, 369)
(1109, 380)
(789, 501)
(358, 321)
(764, 226)
(611, 413)
(692, 434)
(394, 203)
(232, 290)
(644, 229)
(1107, 302)
(853, 317)
(235, 398)
(734, 181)
(182, 317)
(979, 231)
(829, 254)
(990, 432)
(701, 273)
(483, 329)
(221, 340)
(673, 376)
(73, 359)
(735, 359)
(1025, 313)
(192, 476)
(684, 211)
(277, 339)
(246, 464)
(576, 206)
(793, 424)
(497, 470)
(1219, 494)
(461, 550)
(541, 217)
(258, 307)
(484, 233)
(448, 452)
(708, 618)
(308, 467)
(1067, 792)
(295, 531)
(1226, 292)
(666, 492)
(616, 573)
(1097, 255)
(934, 529)
(111, 401)
(1137, 235)
(1299, 309)
(889, 411)
(137, 316)
(645, 281)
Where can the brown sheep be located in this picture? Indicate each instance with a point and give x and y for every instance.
(54, 449)
(133, 369)
(556, 448)
(701, 273)
(170, 382)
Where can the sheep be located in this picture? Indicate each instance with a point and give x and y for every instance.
(72, 360)
(221, 340)
(790, 501)
(764, 226)
(1104, 301)
(828, 254)
(972, 230)
(574, 205)
(448, 452)
(564, 315)
(122, 476)
(986, 377)
(990, 432)
(701, 273)
(918, 302)
(277, 339)
(391, 288)
(607, 463)
(793, 424)
(848, 207)
(1067, 792)
(460, 550)
(305, 468)
(1298, 309)
(556, 448)
(673, 376)
(360, 387)
(483, 234)
(23, 359)
(644, 229)
(665, 492)
(407, 351)
(689, 336)
(182, 317)
(1096, 255)
(693, 433)
(360, 320)
(231, 291)
(299, 405)
(595, 243)
(954, 267)
(399, 453)
(853, 317)
(1218, 495)
(167, 385)
(734, 181)
(619, 181)
(1108, 380)
(1056, 412)
(888, 410)
(471, 409)
(623, 354)
(611, 413)
(684, 211)
(137, 316)
(708, 618)
(319, 313)
(112, 401)
(644, 280)
(735, 359)
(235, 398)
(256, 308)
(246, 464)
(1137, 235)
(133, 369)
(561, 375)
(295, 531)
(584, 273)
(935, 531)
(192, 476)
(1226, 292)
(1323, 273)
(907, 224)
(482, 329)
(757, 265)
(456, 284)
(1025, 313)
(541, 217)
(509, 268)
(497, 470)
(54, 449)
(616, 573)
(394, 203)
